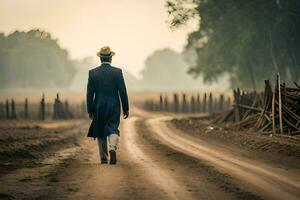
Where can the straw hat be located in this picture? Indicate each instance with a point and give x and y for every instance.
(105, 51)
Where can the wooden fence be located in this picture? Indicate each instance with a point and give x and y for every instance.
(183, 103)
(42, 110)
(275, 111)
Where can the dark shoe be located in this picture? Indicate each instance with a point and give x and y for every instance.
(104, 161)
(113, 157)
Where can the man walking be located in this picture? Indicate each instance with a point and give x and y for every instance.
(105, 88)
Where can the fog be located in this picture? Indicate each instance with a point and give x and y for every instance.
(164, 70)
(51, 45)
(35, 61)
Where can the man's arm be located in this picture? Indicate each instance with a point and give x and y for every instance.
(90, 96)
(123, 95)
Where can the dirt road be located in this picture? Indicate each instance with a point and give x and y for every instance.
(156, 161)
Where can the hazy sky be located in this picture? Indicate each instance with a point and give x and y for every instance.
(133, 28)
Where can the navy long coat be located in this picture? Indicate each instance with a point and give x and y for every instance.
(105, 88)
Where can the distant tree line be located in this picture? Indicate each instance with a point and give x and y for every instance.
(249, 40)
(166, 70)
(33, 59)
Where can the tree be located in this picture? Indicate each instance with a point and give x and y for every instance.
(166, 70)
(33, 59)
(250, 40)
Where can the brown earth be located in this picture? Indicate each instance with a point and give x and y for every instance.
(160, 157)
(29, 143)
(282, 150)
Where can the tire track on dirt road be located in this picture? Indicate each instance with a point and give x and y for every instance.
(153, 171)
(267, 184)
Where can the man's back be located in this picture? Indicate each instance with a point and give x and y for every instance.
(105, 86)
(106, 79)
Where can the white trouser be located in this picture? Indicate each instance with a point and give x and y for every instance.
(113, 141)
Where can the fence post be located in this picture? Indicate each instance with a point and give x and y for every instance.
(55, 115)
(26, 115)
(221, 102)
(184, 105)
(204, 102)
(166, 104)
(279, 104)
(193, 105)
(210, 103)
(42, 109)
(198, 104)
(57, 108)
(236, 95)
(161, 103)
(7, 114)
(13, 109)
(2, 110)
(175, 103)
